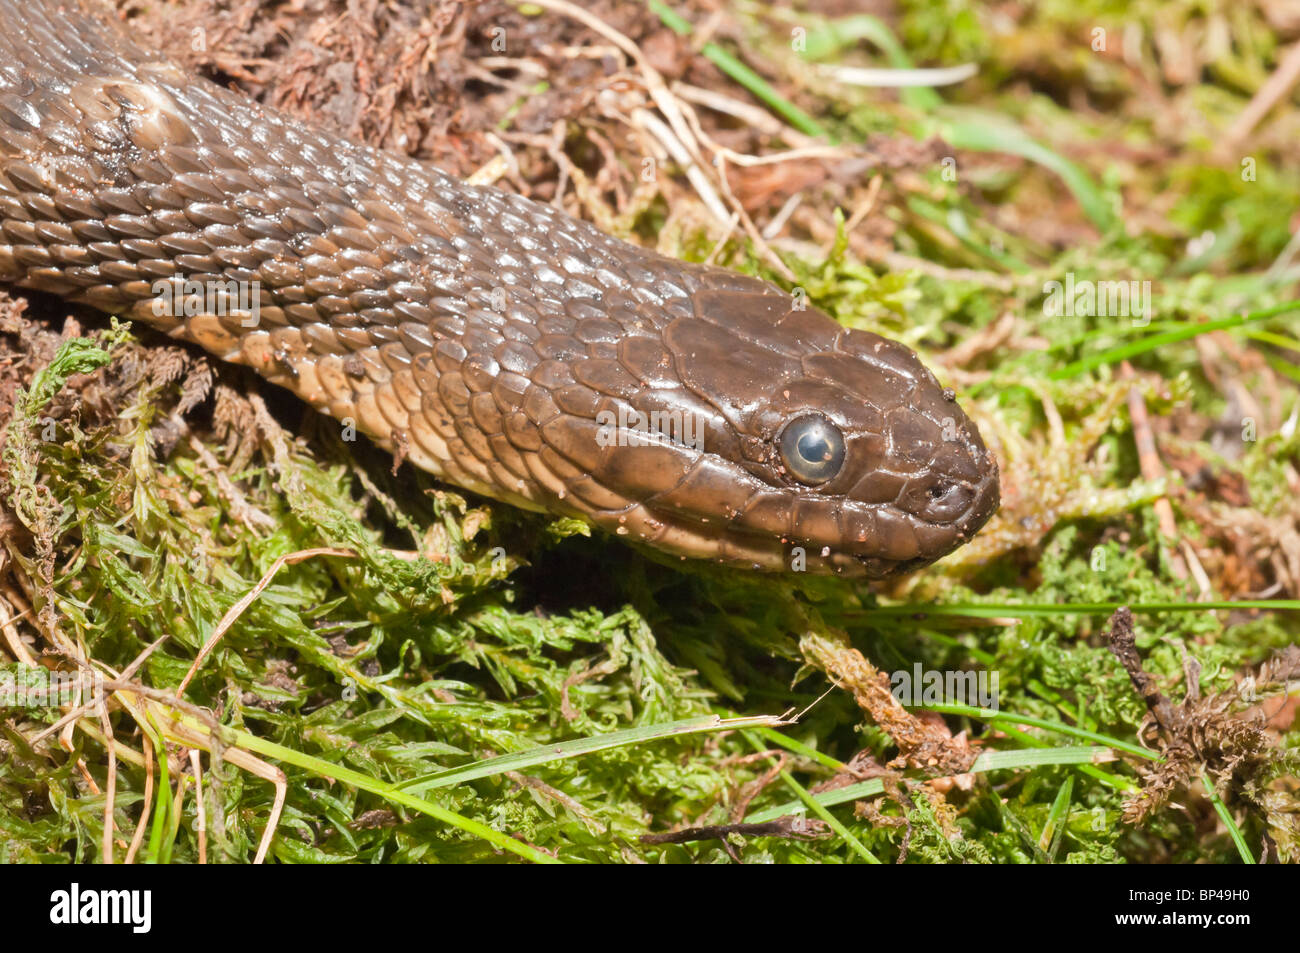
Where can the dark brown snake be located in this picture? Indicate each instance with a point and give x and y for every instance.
(502, 345)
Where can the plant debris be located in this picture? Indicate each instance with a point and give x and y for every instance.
(1216, 735)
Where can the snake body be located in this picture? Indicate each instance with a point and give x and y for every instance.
(497, 342)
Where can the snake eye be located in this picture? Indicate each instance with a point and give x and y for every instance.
(812, 448)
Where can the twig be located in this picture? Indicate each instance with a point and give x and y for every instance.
(1152, 469)
(681, 154)
(12, 635)
(196, 765)
(792, 825)
(147, 803)
(726, 236)
(110, 795)
(1123, 645)
(1275, 89)
(235, 611)
(888, 78)
(681, 136)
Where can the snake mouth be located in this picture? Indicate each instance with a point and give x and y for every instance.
(976, 502)
(982, 501)
(914, 542)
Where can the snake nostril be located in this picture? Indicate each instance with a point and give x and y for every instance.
(938, 491)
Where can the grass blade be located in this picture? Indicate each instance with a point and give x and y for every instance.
(988, 761)
(1132, 349)
(519, 760)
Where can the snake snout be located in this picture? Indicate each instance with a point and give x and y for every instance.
(958, 488)
(951, 485)
(964, 505)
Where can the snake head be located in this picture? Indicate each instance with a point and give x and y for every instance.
(821, 448)
(883, 471)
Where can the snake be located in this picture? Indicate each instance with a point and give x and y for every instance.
(504, 346)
